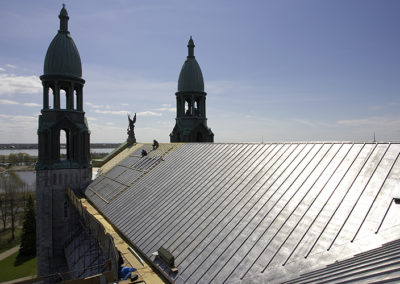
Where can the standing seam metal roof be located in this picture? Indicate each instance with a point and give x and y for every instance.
(230, 212)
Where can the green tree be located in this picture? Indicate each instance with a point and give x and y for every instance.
(28, 237)
(3, 207)
(13, 185)
(12, 158)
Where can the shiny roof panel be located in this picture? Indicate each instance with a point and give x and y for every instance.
(236, 212)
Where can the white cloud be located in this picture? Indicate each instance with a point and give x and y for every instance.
(24, 118)
(148, 113)
(11, 84)
(372, 122)
(113, 112)
(11, 66)
(31, 104)
(125, 112)
(306, 122)
(19, 119)
(21, 128)
(2, 69)
(93, 105)
(8, 102)
(170, 109)
(90, 118)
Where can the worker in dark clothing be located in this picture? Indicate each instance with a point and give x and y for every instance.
(120, 261)
(155, 144)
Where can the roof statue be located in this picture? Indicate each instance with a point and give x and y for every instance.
(131, 129)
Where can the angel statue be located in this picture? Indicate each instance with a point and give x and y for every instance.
(131, 129)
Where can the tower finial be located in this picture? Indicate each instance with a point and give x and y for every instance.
(190, 48)
(63, 19)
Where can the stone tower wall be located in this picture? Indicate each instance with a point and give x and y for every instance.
(54, 215)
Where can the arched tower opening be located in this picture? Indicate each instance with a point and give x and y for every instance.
(65, 139)
(75, 99)
(63, 99)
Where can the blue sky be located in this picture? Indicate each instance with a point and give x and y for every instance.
(274, 70)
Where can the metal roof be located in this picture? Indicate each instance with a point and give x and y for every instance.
(372, 266)
(236, 212)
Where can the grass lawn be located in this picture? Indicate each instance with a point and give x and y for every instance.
(5, 237)
(9, 272)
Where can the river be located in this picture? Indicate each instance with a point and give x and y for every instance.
(29, 177)
(34, 152)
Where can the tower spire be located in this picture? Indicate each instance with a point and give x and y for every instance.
(190, 48)
(191, 119)
(60, 123)
(63, 19)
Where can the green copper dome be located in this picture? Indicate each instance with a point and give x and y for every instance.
(190, 78)
(62, 57)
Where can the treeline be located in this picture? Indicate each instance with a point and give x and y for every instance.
(18, 159)
(22, 146)
(13, 198)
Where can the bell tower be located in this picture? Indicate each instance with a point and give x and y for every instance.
(191, 120)
(64, 147)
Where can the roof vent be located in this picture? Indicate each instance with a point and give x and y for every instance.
(166, 257)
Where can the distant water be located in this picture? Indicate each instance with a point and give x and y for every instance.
(34, 152)
(29, 177)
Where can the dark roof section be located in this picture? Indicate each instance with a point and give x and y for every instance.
(62, 57)
(237, 212)
(191, 78)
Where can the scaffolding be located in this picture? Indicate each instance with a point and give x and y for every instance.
(89, 249)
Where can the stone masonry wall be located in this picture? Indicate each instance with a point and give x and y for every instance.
(53, 215)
